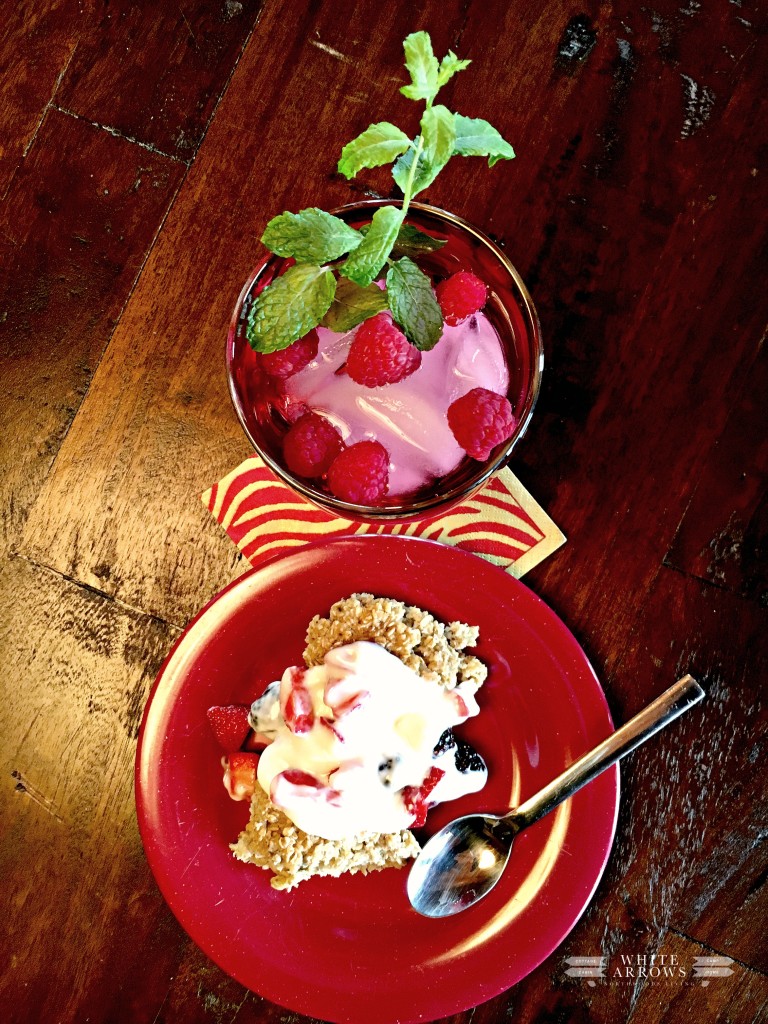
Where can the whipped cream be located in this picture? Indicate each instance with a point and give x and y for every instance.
(351, 741)
(409, 418)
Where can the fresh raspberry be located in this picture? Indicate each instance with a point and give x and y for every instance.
(481, 420)
(381, 354)
(311, 445)
(290, 360)
(460, 296)
(360, 474)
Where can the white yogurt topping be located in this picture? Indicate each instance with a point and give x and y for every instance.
(350, 734)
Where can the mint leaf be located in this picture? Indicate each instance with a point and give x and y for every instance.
(475, 137)
(379, 144)
(311, 236)
(449, 65)
(293, 304)
(425, 172)
(438, 133)
(413, 304)
(365, 263)
(412, 242)
(353, 304)
(422, 65)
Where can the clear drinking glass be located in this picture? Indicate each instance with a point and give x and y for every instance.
(509, 309)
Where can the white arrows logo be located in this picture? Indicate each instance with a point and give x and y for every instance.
(711, 967)
(587, 967)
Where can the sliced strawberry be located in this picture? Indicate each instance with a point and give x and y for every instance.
(256, 741)
(242, 775)
(330, 724)
(230, 725)
(294, 782)
(415, 797)
(296, 701)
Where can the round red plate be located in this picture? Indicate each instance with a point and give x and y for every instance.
(352, 949)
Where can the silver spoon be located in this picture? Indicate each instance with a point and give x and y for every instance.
(463, 861)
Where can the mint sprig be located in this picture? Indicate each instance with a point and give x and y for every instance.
(340, 295)
(311, 236)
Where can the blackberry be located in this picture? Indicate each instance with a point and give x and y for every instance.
(468, 759)
(446, 742)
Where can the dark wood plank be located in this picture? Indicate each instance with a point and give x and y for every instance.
(675, 998)
(691, 850)
(156, 72)
(75, 228)
(723, 536)
(82, 917)
(37, 42)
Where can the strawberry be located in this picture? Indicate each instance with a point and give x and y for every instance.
(415, 797)
(230, 725)
(296, 701)
(242, 775)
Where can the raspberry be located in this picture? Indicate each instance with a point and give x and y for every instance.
(290, 360)
(381, 354)
(360, 474)
(311, 445)
(460, 296)
(481, 420)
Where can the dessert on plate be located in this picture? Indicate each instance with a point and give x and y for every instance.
(342, 757)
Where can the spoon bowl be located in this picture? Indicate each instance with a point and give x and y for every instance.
(462, 863)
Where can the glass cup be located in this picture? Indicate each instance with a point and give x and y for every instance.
(510, 310)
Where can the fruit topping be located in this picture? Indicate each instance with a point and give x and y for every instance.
(311, 445)
(480, 420)
(381, 354)
(360, 474)
(242, 774)
(415, 797)
(290, 360)
(296, 701)
(447, 741)
(460, 296)
(468, 759)
(230, 725)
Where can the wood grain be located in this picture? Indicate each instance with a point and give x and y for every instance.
(81, 669)
(631, 211)
(37, 42)
(156, 72)
(75, 228)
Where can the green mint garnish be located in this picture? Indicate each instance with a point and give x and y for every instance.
(311, 236)
(475, 137)
(414, 243)
(379, 144)
(353, 304)
(291, 306)
(413, 304)
(439, 134)
(365, 263)
(423, 67)
(308, 294)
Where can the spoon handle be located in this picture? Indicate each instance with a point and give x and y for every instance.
(673, 702)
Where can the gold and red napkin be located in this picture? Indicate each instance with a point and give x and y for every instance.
(265, 517)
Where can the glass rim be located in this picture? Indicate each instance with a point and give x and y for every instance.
(432, 506)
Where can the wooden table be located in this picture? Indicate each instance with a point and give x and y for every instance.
(143, 149)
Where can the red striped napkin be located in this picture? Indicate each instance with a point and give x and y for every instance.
(264, 517)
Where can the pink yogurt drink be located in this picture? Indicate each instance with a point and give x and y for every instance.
(408, 418)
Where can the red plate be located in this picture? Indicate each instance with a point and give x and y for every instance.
(352, 949)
